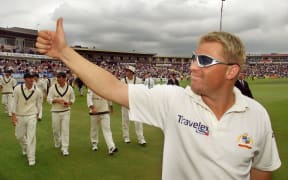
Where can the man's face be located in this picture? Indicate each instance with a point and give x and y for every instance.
(61, 80)
(147, 75)
(29, 82)
(128, 73)
(7, 74)
(207, 80)
(241, 76)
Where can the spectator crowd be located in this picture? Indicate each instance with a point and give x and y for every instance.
(48, 67)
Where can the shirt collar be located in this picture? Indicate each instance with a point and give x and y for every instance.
(240, 104)
(26, 89)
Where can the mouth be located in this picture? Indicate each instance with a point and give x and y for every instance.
(195, 77)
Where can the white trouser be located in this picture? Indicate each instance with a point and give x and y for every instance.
(104, 121)
(60, 128)
(4, 99)
(40, 112)
(81, 91)
(40, 109)
(125, 126)
(7, 100)
(25, 132)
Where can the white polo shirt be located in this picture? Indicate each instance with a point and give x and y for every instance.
(26, 101)
(7, 84)
(196, 144)
(66, 93)
(134, 80)
(101, 104)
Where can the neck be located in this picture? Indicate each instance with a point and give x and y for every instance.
(220, 105)
(62, 84)
(28, 86)
(130, 77)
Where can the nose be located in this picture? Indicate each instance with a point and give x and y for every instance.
(194, 65)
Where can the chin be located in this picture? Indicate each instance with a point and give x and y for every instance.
(196, 90)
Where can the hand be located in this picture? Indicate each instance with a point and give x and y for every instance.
(93, 109)
(66, 104)
(14, 120)
(111, 109)
(52, 43)
(58, 100)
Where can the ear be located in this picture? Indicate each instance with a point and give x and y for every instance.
(232, 71)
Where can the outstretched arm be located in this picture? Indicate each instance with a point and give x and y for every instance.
(102, 82)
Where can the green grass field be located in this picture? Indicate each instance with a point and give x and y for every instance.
(132, 161)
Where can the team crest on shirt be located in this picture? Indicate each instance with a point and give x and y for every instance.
(245, 141)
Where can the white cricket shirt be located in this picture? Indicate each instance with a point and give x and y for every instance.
(196, 144)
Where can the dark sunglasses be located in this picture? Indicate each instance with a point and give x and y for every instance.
(206, 61)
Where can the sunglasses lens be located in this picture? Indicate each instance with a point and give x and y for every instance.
(204, 60)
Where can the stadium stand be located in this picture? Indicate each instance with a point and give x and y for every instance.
(17, 52)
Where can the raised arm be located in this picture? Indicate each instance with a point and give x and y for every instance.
(102, 82)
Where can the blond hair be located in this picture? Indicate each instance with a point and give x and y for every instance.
(233, 48)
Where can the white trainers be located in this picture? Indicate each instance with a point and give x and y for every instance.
(65, 152)
(31, 163)
(142, 142)
(127, 140)
(94, 147)
(24, 151)
(57, 145)
(112, 150)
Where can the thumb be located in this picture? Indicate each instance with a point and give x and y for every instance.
(59, 27)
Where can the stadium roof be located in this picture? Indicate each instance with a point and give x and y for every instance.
(85, 49)
(20, 30)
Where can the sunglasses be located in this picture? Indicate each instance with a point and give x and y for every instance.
(206, 61)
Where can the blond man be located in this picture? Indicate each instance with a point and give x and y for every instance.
(211, 130)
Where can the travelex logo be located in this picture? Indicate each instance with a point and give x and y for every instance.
(245, 141)
(198, 126)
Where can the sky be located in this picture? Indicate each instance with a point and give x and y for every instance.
(164, 27)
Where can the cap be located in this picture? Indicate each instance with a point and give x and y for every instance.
(28, 75)
(36, 75)
(61, 74)
(130, 68)
(8, 71)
